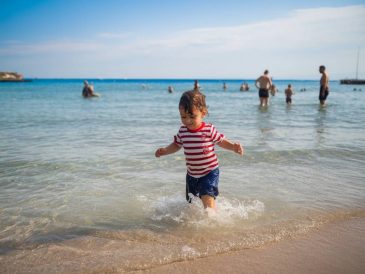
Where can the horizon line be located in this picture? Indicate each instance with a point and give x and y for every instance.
(170, 78)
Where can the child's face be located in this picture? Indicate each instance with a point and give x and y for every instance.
(192, 120)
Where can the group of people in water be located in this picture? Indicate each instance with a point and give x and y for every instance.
(263, 83)
(266, 88)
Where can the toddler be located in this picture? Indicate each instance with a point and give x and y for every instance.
(198, 139)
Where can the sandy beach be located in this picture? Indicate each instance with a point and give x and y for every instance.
(336, 248)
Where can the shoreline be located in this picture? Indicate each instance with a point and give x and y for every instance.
(335, 248)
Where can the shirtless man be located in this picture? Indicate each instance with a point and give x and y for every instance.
(324, 89)
(263, 83)
(289, 93)
(196, 85)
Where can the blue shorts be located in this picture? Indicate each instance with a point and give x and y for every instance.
(263, 93)
(323, 93)
(206, 185)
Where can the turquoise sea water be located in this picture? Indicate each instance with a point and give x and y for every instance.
(74, 171)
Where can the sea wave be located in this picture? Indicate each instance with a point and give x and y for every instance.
(143, 249)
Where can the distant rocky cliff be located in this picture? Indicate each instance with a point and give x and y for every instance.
(11, 76)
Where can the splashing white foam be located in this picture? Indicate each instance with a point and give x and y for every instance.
(175, 209)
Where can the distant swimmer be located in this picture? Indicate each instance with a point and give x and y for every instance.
(196, 86)
(85, 90)
(273, 90)
(170, 89)
(264, 83)
(289, 93)
(224, 86)
(247, 88)
(244, 87)
(88, 90)
(324, 86)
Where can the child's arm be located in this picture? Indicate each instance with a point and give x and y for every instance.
(171, 148)
(235, 147)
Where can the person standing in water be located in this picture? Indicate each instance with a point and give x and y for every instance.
(224, 86)
(196, 86)
(324, 86)
(289, 93)
(263, 83)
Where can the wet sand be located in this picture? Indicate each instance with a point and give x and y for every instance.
(334, 249)
(338, 247)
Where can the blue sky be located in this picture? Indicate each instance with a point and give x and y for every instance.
(181, 39)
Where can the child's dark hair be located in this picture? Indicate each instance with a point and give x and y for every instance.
(193, 99)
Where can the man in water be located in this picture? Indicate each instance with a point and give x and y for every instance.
(324, 89)
(196, 85)
(263, 83)
(289, 93)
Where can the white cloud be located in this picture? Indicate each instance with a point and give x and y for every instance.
(303, 28)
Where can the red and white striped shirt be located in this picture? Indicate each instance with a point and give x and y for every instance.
(199, 148)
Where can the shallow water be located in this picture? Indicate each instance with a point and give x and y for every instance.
(83, 173)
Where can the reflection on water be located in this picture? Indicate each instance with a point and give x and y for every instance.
(320, 126)
(265, 126)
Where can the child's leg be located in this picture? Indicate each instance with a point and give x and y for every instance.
(208, 201)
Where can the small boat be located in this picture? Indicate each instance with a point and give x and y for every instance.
(355, 81)
(352, 82)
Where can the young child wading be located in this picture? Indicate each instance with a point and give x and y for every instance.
(198, 140)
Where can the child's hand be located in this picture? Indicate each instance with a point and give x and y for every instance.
(238, 148)
(160, 152)
(171, 148)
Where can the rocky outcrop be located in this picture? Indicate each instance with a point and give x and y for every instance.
(11, 77)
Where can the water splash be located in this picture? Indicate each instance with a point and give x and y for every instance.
(174, 210)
